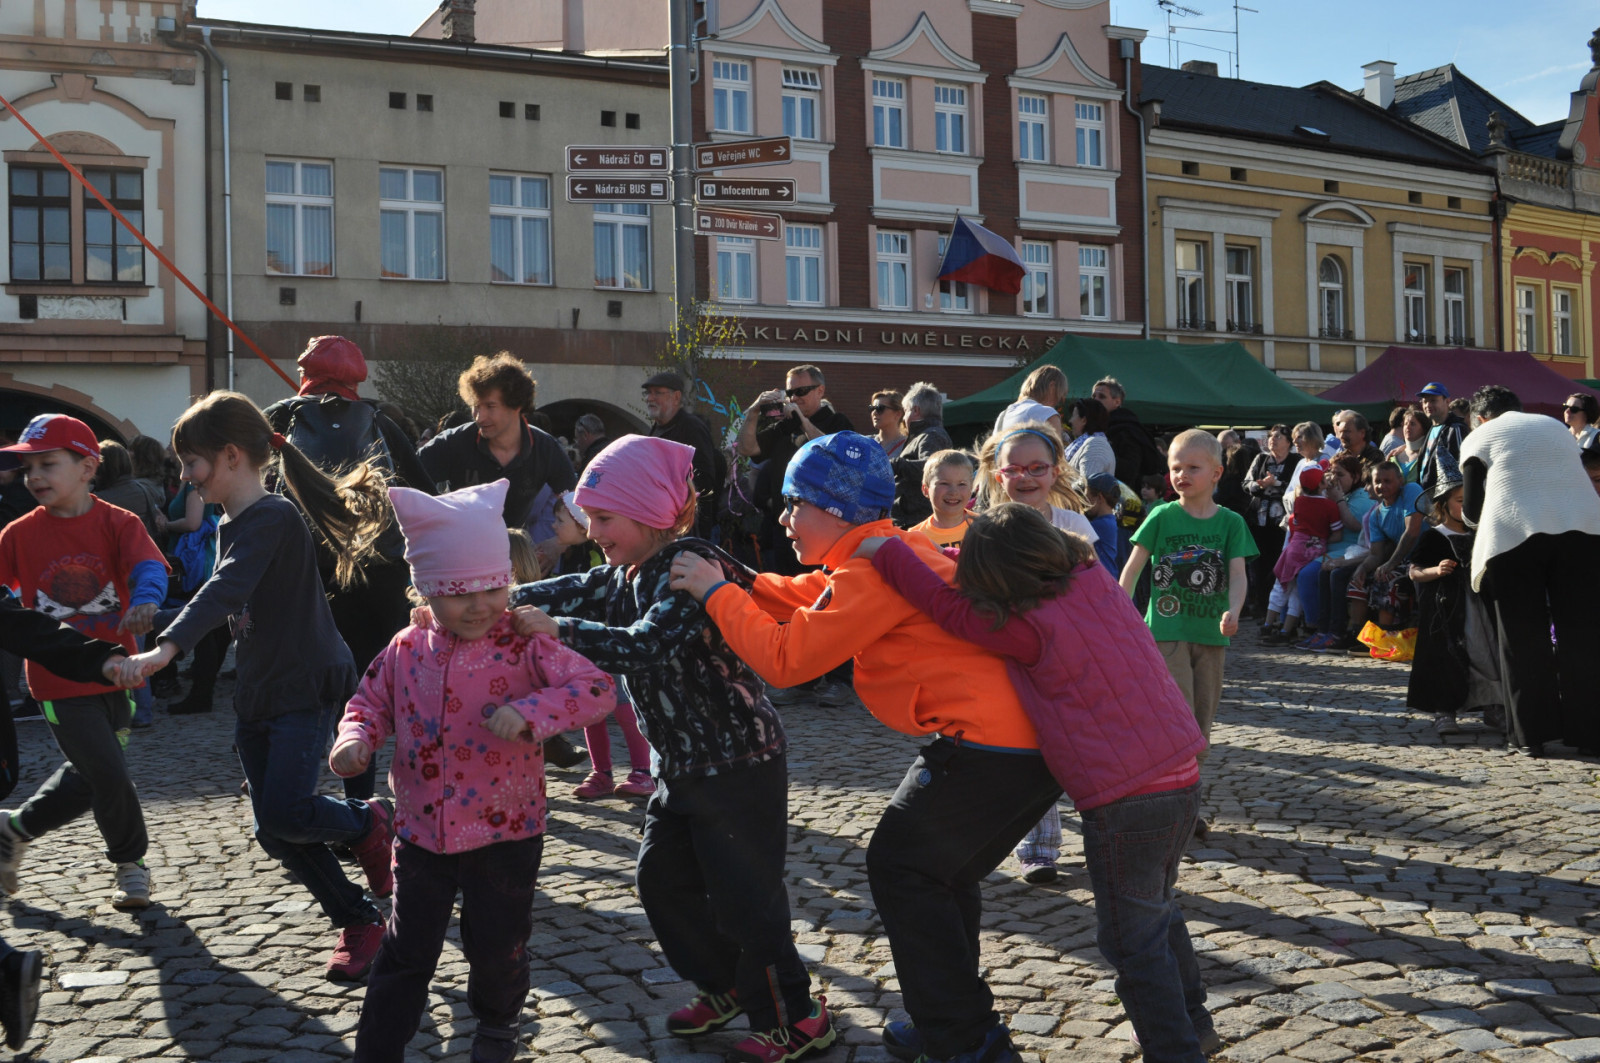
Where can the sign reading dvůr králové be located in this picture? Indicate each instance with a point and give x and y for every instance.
(752, 226)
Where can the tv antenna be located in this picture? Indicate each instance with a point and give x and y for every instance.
(1174, 10)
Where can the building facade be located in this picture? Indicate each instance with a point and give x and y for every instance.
(1311, 226)
(1548, 238)
(410, 194)
(90, 322)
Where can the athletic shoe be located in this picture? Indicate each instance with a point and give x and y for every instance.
(487, 1048)
(28, 710)
(903, 1040)
(594, 785)
(1358, 648)
(1276, 637)
(995, 1047)
(13, 843)
(706, 1013)
(811, 1034)
(1317, 642)
(353, 955)
(1494, 718)
(1202, 829)
(1038, 874)
(133, 887)
(561, 753)
(637, 784)
(1210, 1041)
(834, 695)
(20, 973)
(1445, 724)
(1340, 644)
(375, 851)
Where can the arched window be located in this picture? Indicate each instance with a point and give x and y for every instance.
(1330, 286)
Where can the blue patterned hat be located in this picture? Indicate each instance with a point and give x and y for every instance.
(845, 474)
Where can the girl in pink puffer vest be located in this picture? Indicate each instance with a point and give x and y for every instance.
(1123, 750)
(470, 703)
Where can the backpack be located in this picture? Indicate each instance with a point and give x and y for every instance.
(337, 434)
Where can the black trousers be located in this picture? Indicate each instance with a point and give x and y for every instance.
(1269, 544)
(368, 615)
(1549, 583)
(958, 813)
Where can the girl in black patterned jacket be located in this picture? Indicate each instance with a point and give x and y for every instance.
(710, 872)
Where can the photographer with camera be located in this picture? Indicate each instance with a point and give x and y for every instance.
(776, 425)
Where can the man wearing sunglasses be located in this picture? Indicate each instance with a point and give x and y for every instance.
(779, 423)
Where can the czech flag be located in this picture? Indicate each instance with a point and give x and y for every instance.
(977, 256)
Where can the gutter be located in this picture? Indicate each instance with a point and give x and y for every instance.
(1129, 48)
(227, 194)
(209, 56)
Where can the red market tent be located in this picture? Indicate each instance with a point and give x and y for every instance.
(1396, 374)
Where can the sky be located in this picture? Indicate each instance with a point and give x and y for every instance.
(1533, 61)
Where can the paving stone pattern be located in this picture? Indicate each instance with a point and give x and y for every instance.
(1367, 891)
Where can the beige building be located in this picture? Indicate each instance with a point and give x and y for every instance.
(411, 194)
(90, 323)
(1310, 225)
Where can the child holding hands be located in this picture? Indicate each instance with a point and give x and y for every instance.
(470, 703)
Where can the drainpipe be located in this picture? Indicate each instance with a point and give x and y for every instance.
(1129, 48)
(170, 35)
(227, 195)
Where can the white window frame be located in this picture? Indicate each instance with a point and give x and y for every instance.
(1090, 124)
(950, 118)
(955, 297)
(1561, 303)
(615, 219)
(1527, 313)
(1415, 300)
(1240, 288)
(802, 99)
(730, 89)
(736, 269)
(1330, 299)
(803, 257)
(411, 208)
(303, 204)
(1455, 307)
(1038, 283)
(1191, 285)
(1033, 127)
(518, 214)
(893, 258)
(1094, 282)
(888, 112)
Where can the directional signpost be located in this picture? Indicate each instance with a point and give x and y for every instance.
(764, 151)
(749, 190)
(626, 158)
(709, 221)
(582, 189)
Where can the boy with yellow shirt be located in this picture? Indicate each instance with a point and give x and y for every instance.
(974, 790)
(947, 484)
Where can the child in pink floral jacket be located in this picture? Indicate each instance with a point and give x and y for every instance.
(470, 703)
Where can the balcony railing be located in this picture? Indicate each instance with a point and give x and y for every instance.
(1196, 325)
(1245, 327)
(1336, 333)
(1453, 340)
(1536, 169)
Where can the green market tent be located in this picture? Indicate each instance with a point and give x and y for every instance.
(1167, 384)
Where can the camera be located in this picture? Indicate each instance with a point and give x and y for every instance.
(772, 409)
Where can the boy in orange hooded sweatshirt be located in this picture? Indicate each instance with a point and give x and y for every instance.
(974, 790)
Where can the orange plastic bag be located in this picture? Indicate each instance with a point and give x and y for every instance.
(1386, 645)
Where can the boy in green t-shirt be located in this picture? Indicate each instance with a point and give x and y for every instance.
(1199, 582)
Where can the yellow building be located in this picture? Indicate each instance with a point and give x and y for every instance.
(1310, 225)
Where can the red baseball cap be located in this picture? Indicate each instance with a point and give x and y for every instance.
(55, 431)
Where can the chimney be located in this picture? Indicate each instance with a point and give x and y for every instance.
(460, 17)
(1200, 66)
(1379, 88)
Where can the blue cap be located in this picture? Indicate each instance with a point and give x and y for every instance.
(1433, 387)
(845, 474)
(1105, 485)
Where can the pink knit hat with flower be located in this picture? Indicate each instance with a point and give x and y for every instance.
(456, 543)
(643, 478)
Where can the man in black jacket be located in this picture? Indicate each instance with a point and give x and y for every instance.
(1136, 453)
(663, 401)
(923, 407)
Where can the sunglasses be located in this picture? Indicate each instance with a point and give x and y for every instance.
(1573, 409)
(885, 409)
(1037, 470)
(800, 393)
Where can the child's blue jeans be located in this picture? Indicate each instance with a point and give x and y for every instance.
(283, 759)
(1133, 847)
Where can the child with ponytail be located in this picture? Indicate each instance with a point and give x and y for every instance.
(295, 672)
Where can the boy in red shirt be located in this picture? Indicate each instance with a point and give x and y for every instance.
(86, 562)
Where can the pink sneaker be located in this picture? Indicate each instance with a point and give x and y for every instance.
(375, 852)
(814, 1033)
(596, 784)
(637, 784)
(353, 956)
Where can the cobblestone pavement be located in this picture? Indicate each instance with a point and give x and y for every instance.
(1366, 891)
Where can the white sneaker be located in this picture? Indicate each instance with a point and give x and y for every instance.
(133, 888)
(12, 845)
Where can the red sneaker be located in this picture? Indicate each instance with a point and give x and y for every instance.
(705, 1013)
(597, 784)
(813, 1033)
(353, 956)
(637, 784)
(375, 851)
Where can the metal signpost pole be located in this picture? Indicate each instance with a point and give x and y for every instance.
(683, 233)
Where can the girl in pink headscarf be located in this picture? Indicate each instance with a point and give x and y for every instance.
(710, 872)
